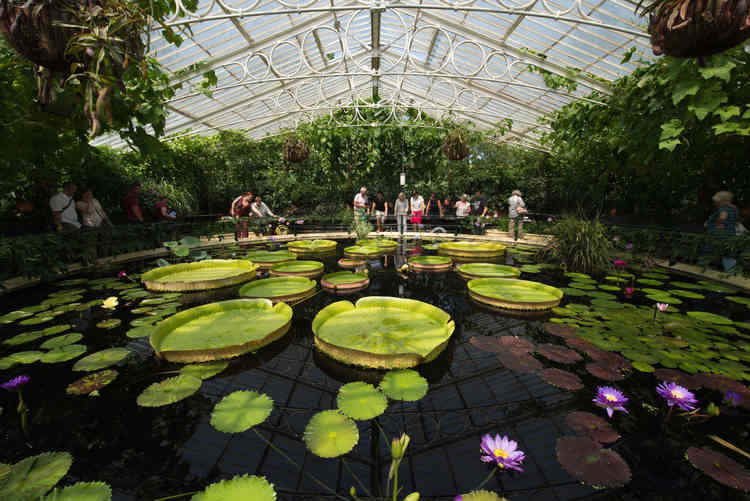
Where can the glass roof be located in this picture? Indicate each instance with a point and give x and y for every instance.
(280, 63)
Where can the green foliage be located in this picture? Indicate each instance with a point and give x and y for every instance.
(360, 227)
(580, 245)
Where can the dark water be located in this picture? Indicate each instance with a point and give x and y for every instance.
(147, 453)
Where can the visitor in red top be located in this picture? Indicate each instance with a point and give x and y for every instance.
(130, 204)
(162, 212)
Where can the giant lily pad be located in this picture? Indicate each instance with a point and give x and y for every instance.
(561, 379)
(405, 384)
(382, 243)
(101, 359)
(81, 491)
(487, 270)
(239, 487)
(240, 411)
(279, 289)
(514, 294)
(591, 426)
(382, 332)
(33, 476)
(363, 251)
(330, 434)
(92, 382)
(558, 353)
(63, 353)
(471, 249)
(266, 259)
(349, 263)
(430, 263)
(220, 330)
(309, 269)
(586, 461)
(312, 246)
(344, 282)
(203, 275)
(169, 391)
(361, 401)
(720, 467)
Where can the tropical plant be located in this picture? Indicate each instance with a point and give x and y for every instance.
(294, 149)
(360, 227)
(580, 245)
(455, 145)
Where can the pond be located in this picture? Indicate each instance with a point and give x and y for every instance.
(606, 332)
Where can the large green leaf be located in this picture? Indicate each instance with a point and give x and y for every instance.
(31, 478)
(240, 411)
(169, 391)
(239, 488)
(330, 434)
(722, 71)
(92, 382)
(404, 384)
(64, 340)
(82, 491)
(101, 359)
(361, 401)
(684, 89)
(205, 370)
(63, 353)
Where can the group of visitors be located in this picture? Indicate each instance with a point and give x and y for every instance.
(245, 206)
(70, 214)
(414, 208)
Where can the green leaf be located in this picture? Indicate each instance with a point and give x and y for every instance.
(91, 382)
(330, 434)
(671, 129)
(32, 477)
(169, 391)
(361, 401)
(684, 89)
(64, 340)
(101, 359)
(669, 145)
(707, 102)
(728, 112)
(240, 411)
(245, 487)
(63, 353)
(405, 385)
(725, 128)
(82, 491)
(205, 370)
(723, 71)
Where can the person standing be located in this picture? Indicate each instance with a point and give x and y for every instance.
(479, 208)
(92, 213)
(130, 204)
(242, 212)
(64, 208)
(463, 207)
(516, 210)
(236, 202)
(161, 210)
(360, 203)
(722, 223)
(417, 209)
(260, 209)
(434, 207)
(380, 208)
(401, 209)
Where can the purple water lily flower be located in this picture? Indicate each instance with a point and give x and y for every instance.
(611, 399)
(502, 451)
(628, 246)
(677, 395)
(732, 398)
(458, 498)
(16, 383)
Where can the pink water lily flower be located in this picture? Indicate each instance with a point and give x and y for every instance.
(662, 307)
(619, 263)
(122, 274)
(628, 246)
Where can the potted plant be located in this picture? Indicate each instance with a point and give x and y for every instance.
(294, 150)
(696, 28)
(455, 145)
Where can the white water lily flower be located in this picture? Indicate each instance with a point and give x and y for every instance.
(110, 303)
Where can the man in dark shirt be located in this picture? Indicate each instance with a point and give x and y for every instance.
(131, 206)
(479, 207)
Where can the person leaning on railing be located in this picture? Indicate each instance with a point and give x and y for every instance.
(64, 209)
(722, 223)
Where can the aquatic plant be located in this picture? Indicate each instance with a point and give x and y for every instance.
(579, 245)
(169, 391)
(732, 398)
(677, 395)
(239, 487)
(33, 476)
(110, 303)
(591, 426)
(241, 410)
(361, 401)
(502, 451)
(22, 409)
(587, 461)
(719, 467)
(330, 434)
(405, 384)
(611, 399)
(561, 379)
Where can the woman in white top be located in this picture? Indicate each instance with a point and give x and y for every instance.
(463, 207)
(516, 210)
(92, 213)
(417, 208)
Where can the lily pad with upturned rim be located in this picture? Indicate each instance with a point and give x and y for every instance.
(720, 467)
(92, 382)
(279, 289)
(169, 391)
(363, 251)
(471, 249)
(241, 410)
(344, 281)
(101, 359)
(198, 276)
(244, 487)
(405, 384)
(588, 462)
(430, 263)
(307, 269)
(487, 270)
(330, 434)
(361, 401)
(514, 294)
(33, 476)
(220, 330)
(266, 259)
(351, 263)
(312, 246)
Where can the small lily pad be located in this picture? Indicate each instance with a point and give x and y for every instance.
(26, 357)
(591, 426)
(64, 340)
(250, 487)
(361, 401)
(643, 366)
(169, 391)
(91, 382)
(101, 359)
(13, 316)
(686, 294)
(330, 434)
(710, 318)
(33, 476)
(240, 411)
(205, 370)
(139, 332)
(739, 300)
(404, 384)
(110, 323)
(559, 354)
(63, 353)
(24, 337)
(588, 462)
(81, 491)
(561, 379)
(37, 320)
(481, 495)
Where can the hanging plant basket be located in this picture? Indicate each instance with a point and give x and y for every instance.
(455, 145)
(294, 150)
(697, 28)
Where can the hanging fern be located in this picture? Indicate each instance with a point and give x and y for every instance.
(294, 149)
(455, 144)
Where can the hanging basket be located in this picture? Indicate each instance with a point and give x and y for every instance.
(697, 28)
(455, 145)
(294, 150)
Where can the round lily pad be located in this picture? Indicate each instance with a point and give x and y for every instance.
(710, 318)
(561, 379)
(686, 294)
(205, 370)
(351, 263)
(13, 316)
(101, 359)
(514, 294)
(531, 268)
(363, 251)
(720, 467)
(487, 270)
(649, 281)
(591, 426)
(201, 275)
(33, 476)
(139, 332)
(169, 391)
(239, 487)
(330, 434)
(679, 377)
(81, 491)
(558, 353)
(405, 384)
(575, 275)
(308, 269)
(687, 285)
(220, 330)
(361, 401)
(344, 281)
(430, 263)
(312, 246)
(569, 291)
(471, 249)
(110, 323)
(63, 340)
(92, 382)
(739, 300)
(382, 332)
(560, 330)
(643, 366)
(588, 462)
(24, 337)
(604, 372)
(40, 319)
(240, 411)
(715, 287)
(481, 495)
(279, 289)
(63, 353)
(520, 362)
